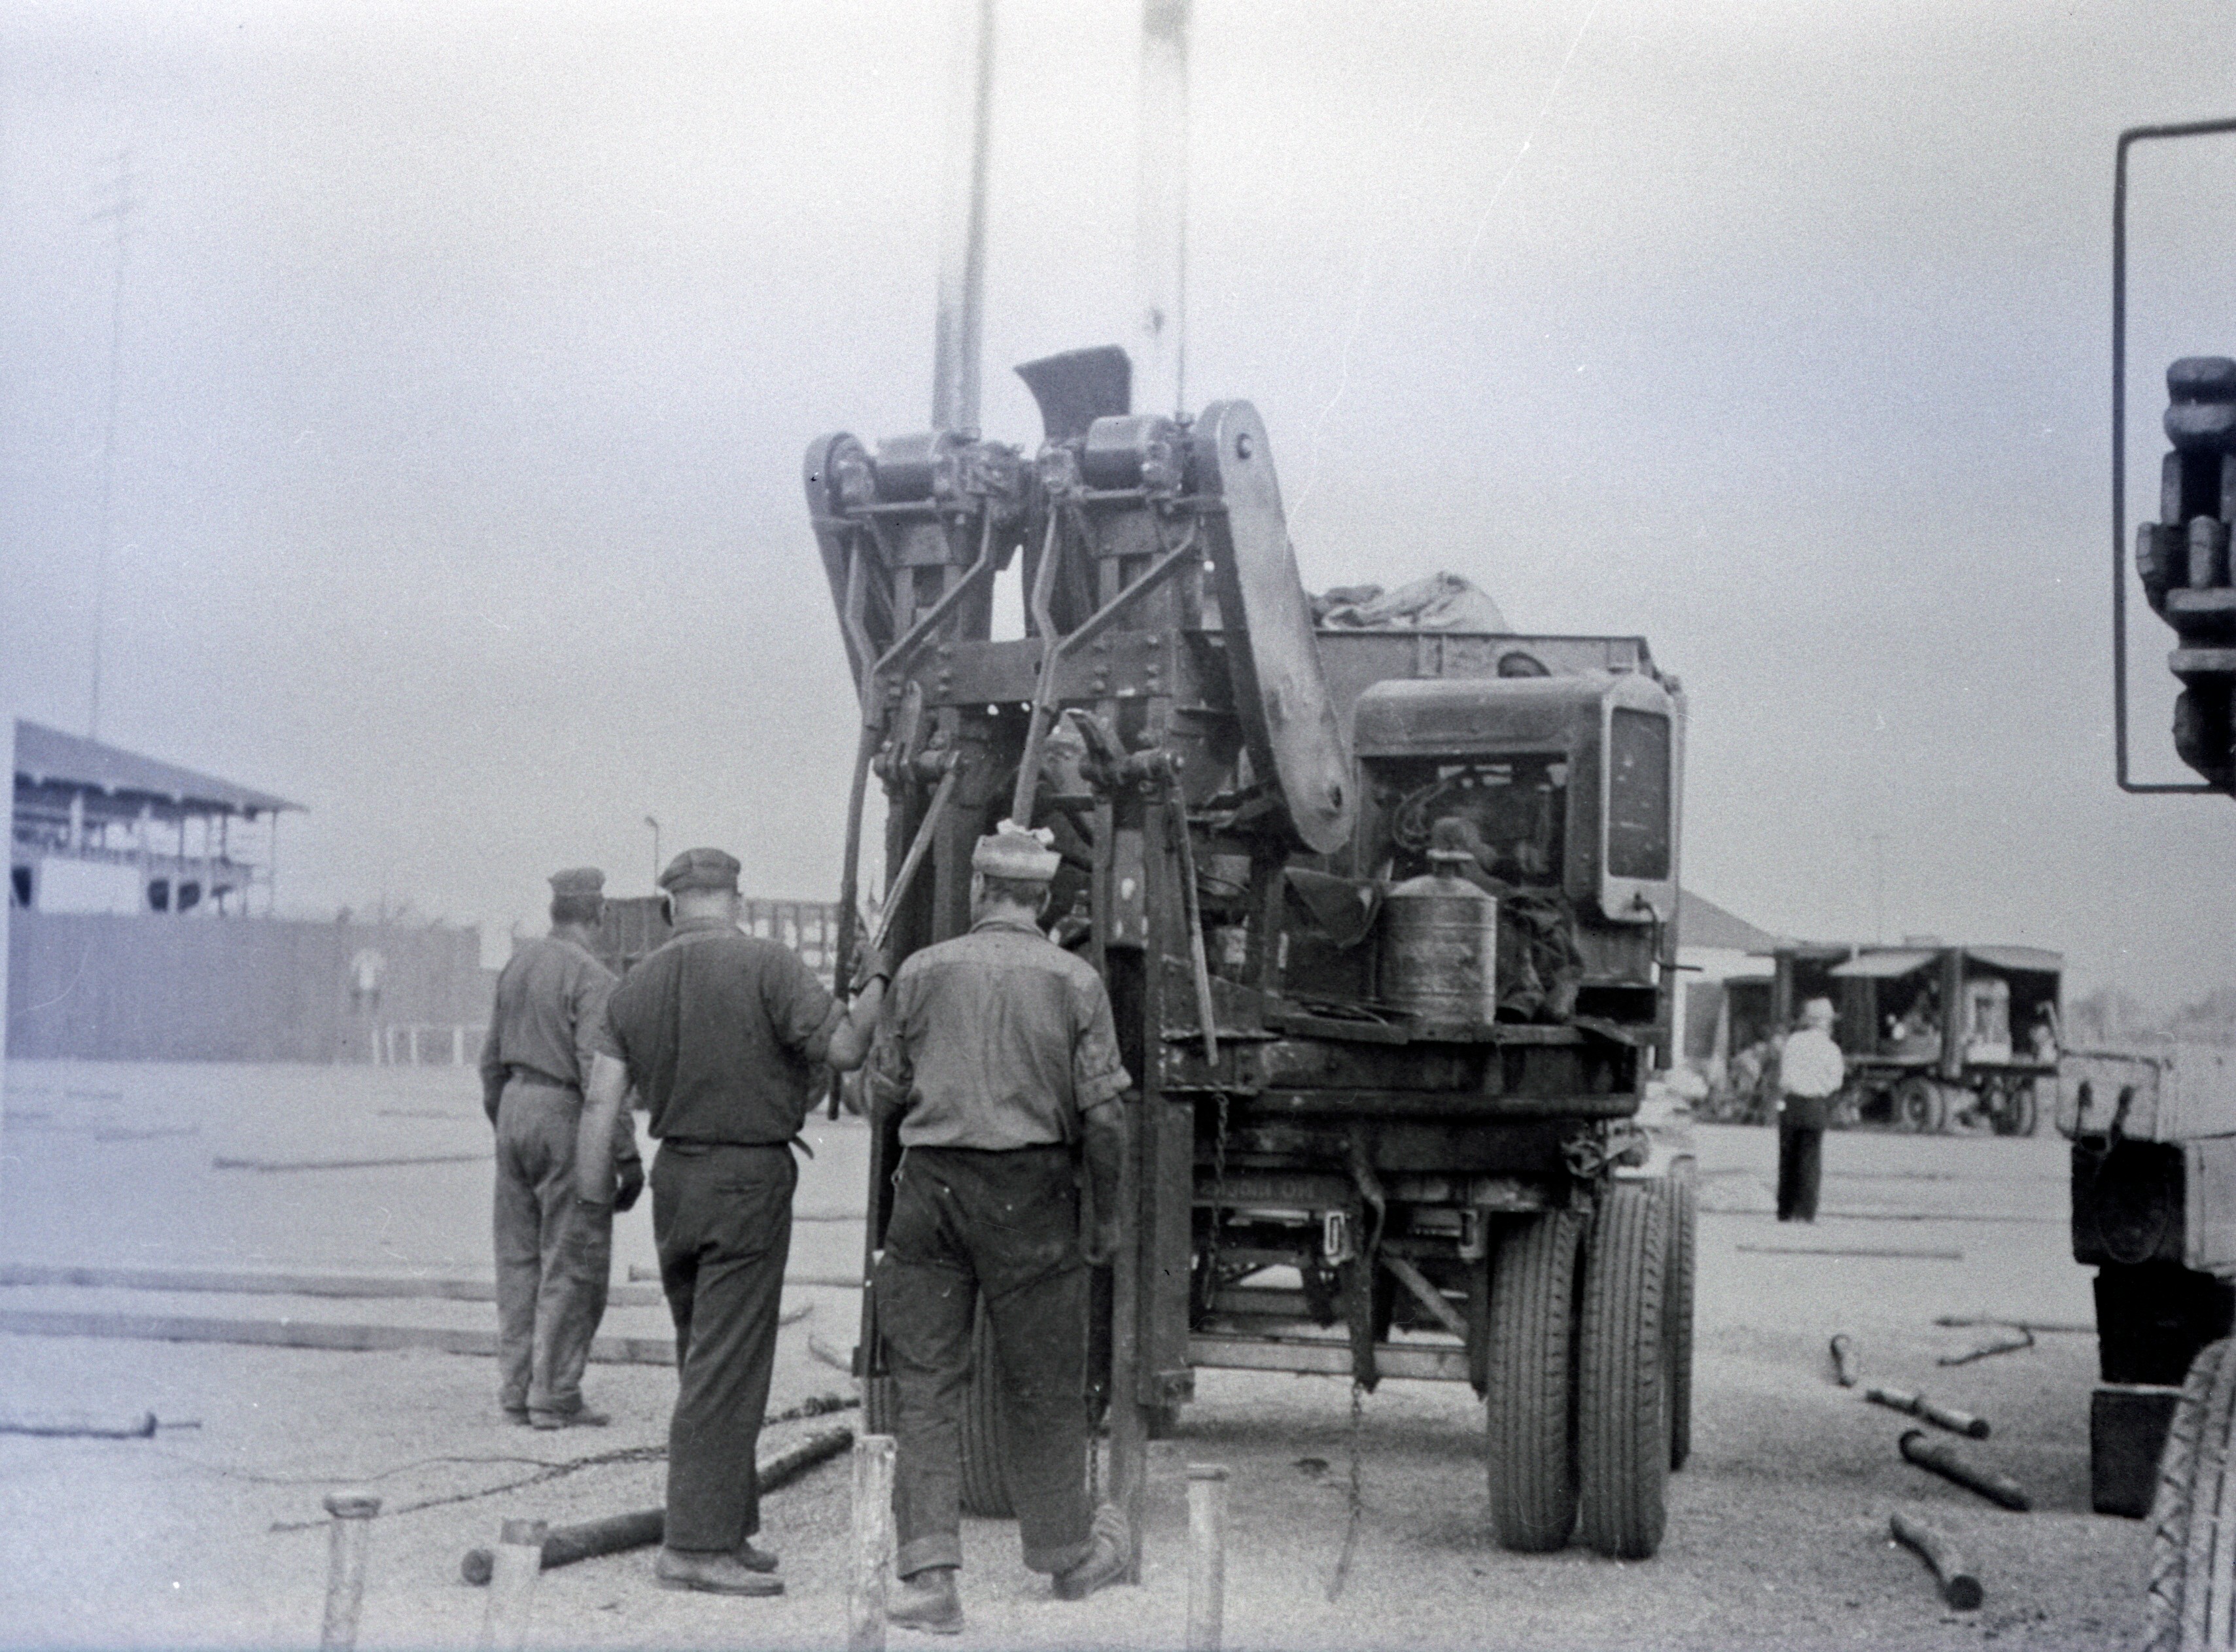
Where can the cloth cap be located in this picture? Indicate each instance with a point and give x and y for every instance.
(1011, 852)
(701, 869)
(578, 880)
(1818, 1011)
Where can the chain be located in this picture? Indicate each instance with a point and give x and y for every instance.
(1218, 1209)
(1357, 1505)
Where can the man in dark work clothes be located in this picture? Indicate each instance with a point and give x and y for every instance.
(553, 1253)
(719, 1033)
(1000, 1051)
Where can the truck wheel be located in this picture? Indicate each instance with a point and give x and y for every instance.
(1530, 1409)
(1919, 1108)
(985, 1440)
(2026, 1108)
(1622, 1392)
(1677, 1308)
(2190, 1581)
(880, 1406)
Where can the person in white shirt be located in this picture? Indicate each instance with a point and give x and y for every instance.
(1810, 1071)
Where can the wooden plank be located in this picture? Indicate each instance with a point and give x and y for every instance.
(236, 1282)
(306, 1333)
(1324, 1356)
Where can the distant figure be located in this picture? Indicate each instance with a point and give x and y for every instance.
(365, 970)
(553, 1253)
(721, 1033)
(1810, 1071)
(1001, 1057)
(2043, 1038)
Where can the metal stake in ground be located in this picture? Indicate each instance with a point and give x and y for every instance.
(1844, 1360)
(512, 1585)
(1206, 1600)
(1960, 1585)
(873, 1542)
(347, 1543)
(1943, 1459)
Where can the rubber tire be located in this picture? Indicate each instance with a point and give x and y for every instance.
(1529, 1410)
(985, 1439)
(1677, 1307)
(1622, 1392)
(2026, 1108)
(881, 1408)
(1919, 1108)
(2191, 1472)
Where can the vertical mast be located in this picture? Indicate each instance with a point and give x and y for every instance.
(957, 326)
(1161, 226)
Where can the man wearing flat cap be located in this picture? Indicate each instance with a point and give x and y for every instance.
(1810, 1069)
(553, 1252)
(721, 1033)
(1000, 1050)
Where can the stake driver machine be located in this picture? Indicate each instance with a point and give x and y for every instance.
(1386, 918)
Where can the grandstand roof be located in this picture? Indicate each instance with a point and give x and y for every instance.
(49, 756)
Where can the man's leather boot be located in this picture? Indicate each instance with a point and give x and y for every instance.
(927, 1601)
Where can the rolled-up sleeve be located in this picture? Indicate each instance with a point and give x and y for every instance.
(890, 1075)
(592, 991)
(1097, 1073)
(803, 1014)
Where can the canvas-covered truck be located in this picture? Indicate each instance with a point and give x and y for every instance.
(1936, 1036)
(1387, 918)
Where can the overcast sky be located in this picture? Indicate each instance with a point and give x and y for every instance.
(468, 355)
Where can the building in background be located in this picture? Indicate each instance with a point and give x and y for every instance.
(141, 927)
(1719, 958)
(99, 829)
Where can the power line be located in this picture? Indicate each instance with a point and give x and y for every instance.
(118, 212)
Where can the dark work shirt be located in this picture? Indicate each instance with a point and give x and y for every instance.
(721, 1032)
(550, 1001)
(995, 1039)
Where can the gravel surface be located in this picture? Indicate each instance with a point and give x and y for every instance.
(214, 1535)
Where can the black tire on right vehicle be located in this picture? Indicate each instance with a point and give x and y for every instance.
(1529, 1409)
(1677, 1307)
(985, 1437)
(2190, 1581)
(1622, 1391)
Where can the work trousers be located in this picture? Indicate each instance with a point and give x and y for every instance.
(1800, 1158)
(1004, 1226)
(722, 1219)
(552, 1256)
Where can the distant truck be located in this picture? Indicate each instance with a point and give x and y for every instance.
(1912, 1064)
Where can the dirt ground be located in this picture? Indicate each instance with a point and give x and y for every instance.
(214, 1535)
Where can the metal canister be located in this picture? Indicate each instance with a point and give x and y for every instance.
(1440, 950)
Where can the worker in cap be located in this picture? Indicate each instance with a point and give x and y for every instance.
(721, 1033)
(1811, 1071)
(1000, 1054)
(553, 1253)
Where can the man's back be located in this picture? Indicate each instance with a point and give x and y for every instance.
(1811, 1064)
(721, 1032)
(550, 998)
(997, 1039)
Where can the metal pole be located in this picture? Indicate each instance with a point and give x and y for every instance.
(512, 1585)
(2132, 135)
(873, 1542)
(655, 825)
(1161, 207)
(347, 1540)
(1207, 1597)
(957, 320)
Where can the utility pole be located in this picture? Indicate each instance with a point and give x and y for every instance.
(655, 825)
(958, 320)
(1878, 888)
(1160, 211)
(118, 212)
